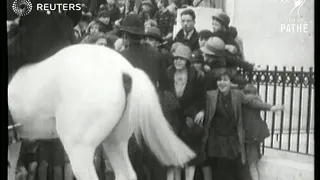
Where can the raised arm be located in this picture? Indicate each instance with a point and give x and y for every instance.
(253, 102)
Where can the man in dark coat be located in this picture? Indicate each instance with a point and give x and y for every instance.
(153, 38)
(188, 35)
(139, 55)
(40, 34)
(144, 57)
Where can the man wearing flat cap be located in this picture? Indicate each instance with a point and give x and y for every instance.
(154, 39)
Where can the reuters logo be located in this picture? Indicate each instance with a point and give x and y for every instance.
(22, 7)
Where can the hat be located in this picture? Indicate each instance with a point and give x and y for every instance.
(104, 14)
(154, 32)
(223, 18)
(205, 34)
(214, 46)
(111, 1)
(183, 51)
(147, 2)
(132, 24)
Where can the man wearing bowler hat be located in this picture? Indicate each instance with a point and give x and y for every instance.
(144, 57)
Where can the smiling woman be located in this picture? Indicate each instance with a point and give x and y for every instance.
(185, 86)
(224, 131)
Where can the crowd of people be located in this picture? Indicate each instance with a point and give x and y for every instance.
(209, 105)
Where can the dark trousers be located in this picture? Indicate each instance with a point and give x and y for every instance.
(156, 170)
(229, 169)
(136, 155)
(144, 162)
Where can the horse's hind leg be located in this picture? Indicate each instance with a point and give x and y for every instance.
(81, 135)
(80, 151)
(81, 158)
(116, 148)
(117, 153)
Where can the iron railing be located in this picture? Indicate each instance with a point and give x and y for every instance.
(293, 130)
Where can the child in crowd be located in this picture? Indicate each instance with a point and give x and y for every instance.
(198, 61)
(150, 23)
(104, 17)
(80, 29)
(95, 38)
(111, 7)
(94, 27)
(256, 130)
(233, 45)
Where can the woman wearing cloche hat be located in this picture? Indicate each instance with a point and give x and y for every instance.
(185, 84)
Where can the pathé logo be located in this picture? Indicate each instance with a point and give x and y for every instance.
(297, 4)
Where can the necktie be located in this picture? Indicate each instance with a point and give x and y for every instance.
(186, 35)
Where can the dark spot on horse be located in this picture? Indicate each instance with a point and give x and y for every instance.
(127, 83)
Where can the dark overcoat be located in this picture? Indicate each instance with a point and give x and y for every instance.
(144, 57)
(193, 42)
(191, 102)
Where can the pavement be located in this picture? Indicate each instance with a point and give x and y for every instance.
(282, 165)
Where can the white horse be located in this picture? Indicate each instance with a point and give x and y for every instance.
(79, 95)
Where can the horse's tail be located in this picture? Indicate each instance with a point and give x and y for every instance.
(146, 114)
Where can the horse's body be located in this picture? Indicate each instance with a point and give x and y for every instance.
(79, 96)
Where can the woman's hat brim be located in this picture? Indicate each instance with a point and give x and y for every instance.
(207, 51)
(178, 55)
(204, 50)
